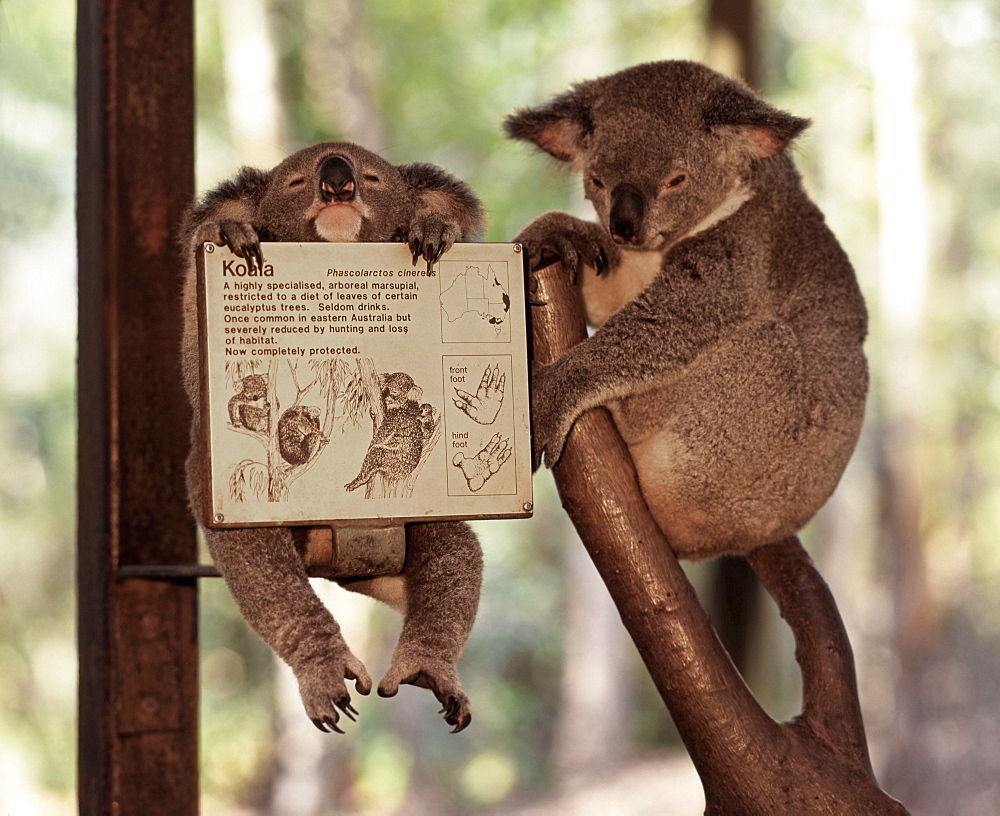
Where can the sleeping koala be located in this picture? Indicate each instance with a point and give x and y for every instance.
(337, 191)
(729, 321)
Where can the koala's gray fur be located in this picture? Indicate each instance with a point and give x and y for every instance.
(337, 191)
(729, 347)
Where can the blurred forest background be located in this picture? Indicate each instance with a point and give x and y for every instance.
(902, 156)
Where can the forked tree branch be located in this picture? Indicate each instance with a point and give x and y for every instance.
(748, 763)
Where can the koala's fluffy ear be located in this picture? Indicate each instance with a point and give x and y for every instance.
(561, 127)
(766, 130)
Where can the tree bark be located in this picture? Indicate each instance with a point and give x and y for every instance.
(748, 763)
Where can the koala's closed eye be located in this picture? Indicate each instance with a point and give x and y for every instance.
(296, 182)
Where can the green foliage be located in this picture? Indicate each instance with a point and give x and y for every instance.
(36, 64)
(37, 417)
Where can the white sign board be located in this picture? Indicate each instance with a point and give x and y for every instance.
(345, 382)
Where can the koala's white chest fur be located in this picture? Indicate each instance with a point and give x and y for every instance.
(338, 223)
(605, 294)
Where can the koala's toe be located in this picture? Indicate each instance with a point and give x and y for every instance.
(431, 235)
(239, 236)
(437, 675)
(325, 695)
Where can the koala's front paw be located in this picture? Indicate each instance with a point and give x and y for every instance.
(550, 425)
(431, 235)
(240, 236)
(577, 243)
(324, 692)
(433, 673)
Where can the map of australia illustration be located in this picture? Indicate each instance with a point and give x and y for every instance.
(475, 302)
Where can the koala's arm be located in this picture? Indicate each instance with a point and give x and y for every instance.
(445, 211)
(225, 215)
(705, 292)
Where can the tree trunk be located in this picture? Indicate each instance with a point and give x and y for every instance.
(595, 668)
(257, 120)
(748, 763)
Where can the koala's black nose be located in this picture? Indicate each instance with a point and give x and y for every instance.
(336, 179)
(627, 210)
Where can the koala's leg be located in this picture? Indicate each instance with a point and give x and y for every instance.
(441, 583)
(751, 448)
(268, 580)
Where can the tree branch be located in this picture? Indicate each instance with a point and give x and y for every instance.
(598, 488)
(830, 705)
(748, 763)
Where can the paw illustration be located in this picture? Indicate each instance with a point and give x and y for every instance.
(324, 692)
(479, 468)
(484, 405)
(438, 675)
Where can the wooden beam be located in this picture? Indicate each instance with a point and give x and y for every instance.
(137, 637)
(734, 44)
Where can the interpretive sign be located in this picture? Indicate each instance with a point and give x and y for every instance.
(345, 382)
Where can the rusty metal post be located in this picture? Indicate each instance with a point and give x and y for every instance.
(138, 693)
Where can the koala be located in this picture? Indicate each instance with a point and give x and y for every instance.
(249, 408)
(729, 323)
(299, 435)
(398, 442)
(338, 191)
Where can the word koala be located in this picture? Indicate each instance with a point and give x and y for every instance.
(336, 191)
(729, 321)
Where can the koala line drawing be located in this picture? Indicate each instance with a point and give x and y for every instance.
(301, 431)
(338, 192)
(404, 431)
(728, 320)
(248, 408)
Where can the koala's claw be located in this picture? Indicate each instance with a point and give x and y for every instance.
(327, 722)
(255, 256)
(324, 692)
(601, 262)
(440, 677)
(557, 235)
(416, 250)
(326, 725)
(430, 236)
(239, 236)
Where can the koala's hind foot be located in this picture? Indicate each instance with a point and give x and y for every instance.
(268, 580)
(429, 672)
(239, 236)
(323, 690)
(439, 595)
